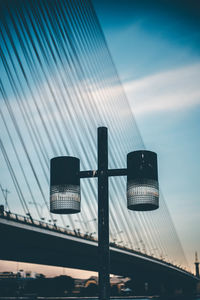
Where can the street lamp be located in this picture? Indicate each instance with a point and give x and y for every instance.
(118, 233)
(41, 208)
(86, 222)
(142, 180)
(5, 193)
(142, 193)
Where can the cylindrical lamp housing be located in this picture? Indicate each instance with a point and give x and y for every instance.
(65, 185)
(142, 180)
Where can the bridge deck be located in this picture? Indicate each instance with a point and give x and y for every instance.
(33, 241)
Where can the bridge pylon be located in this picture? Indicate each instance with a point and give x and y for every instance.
(196, 265)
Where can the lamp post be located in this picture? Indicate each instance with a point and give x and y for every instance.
(5, 193)
(115, 236)
(86, 223)
(41, 208)
(142, 193)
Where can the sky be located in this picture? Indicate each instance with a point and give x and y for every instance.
(155, 46)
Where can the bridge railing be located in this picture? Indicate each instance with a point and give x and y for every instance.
(29, 220)
(53, 227)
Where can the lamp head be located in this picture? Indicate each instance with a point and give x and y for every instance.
(142, 181)
(65, 185)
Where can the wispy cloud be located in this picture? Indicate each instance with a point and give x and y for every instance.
(171, 90)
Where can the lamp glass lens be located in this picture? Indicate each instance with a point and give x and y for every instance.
(142, 194)
(65, 199)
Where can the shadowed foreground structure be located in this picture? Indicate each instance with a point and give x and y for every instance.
(38, 243)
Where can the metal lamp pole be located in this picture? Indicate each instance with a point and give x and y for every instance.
(142, 193)
(103, 215)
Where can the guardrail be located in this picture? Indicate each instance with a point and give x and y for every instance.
(29, 220)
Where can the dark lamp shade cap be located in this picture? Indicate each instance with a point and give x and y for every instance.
(65, 185)
(142, 181)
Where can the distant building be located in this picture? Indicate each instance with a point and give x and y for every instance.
(31, 274)
(117, 283)
(20, 274)
(8, 275)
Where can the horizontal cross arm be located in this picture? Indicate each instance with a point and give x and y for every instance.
(111, 172)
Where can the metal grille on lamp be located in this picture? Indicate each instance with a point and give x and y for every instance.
(65, 198)
(142, 181)
(142, 194)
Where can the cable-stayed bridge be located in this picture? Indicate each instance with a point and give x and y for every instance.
(58, 84)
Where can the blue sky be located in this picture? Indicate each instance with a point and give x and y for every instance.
(156, 48)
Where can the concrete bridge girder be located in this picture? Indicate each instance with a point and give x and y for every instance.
(34, 244)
